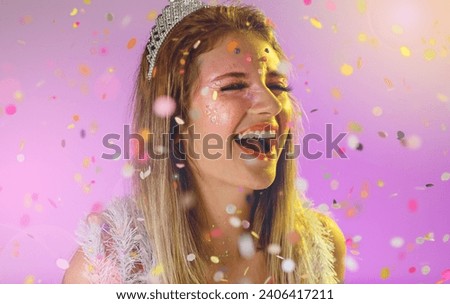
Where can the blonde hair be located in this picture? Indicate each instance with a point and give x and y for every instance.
(173, 229)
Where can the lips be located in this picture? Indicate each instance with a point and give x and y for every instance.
(258, 140)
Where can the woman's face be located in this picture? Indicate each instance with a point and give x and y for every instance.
(240, 92)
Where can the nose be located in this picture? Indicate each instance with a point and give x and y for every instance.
(265, 103)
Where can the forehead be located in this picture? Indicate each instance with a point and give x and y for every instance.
(242, 52)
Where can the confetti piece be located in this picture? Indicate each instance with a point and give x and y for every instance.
(413, 205)
(10, 109)
(157, 270)
(235, 221)
(214, 95)
(425, 270)
(288, 265)
(442, 97)
(109, 17)
(352, 142)
(255, 235)
(293, 237)
(405, 51)
(18, 95)
(365, 190)
(76, 24)
(131, 43)
(315, 22)
(126, 20)
(359, 63)
(377, 111)
(346, 69)
(351, 264)
(216, 233)
(362, 37)
(74, 12)
(87, 2)
(164, 106)
(397, 29)
(334, 184)
(29, 279)
(218, 276)
(246, 246)
(196, 45)
(215, 259)
(274, 249)
(307, 2)
(323, 208)
(190, 257)
(446, 238)
(230, 209)
(20, 158)
(62, 264)
(389, 84)
(127, 170)
(336, 93)
(331, 6)
(397, 242)
(385, 273)
(380, 183)
(429, 54)
(400, 135)
(361, 6)
(231, 46)
(144, 174)
(412, 142)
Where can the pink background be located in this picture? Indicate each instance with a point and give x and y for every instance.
(364, 66)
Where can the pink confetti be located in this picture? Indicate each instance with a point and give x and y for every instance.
(307, 2)
(331, 6)
(216, 233)
(164, 106)
(97, 207)
(25, 220)
(412, 269)
(412, 205)
(10, 109)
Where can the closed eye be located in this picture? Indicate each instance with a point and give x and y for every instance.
(234, 86)
(278, 87)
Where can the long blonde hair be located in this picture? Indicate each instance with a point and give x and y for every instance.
(174, 230)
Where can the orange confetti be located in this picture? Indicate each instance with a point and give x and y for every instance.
(231, 46)
(29, 279)
(336, 93)
(388, 83)
(84, 69)
(76, 24)
(365, 190)
(131, 43)
(152, 15)
(76, 117)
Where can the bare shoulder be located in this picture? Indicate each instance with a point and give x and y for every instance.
(75, 274)
(339, 245)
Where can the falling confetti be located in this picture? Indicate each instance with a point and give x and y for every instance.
(293, 237)
(246, 246)
(152, 15)
(29, 279)
(215, 259)
(62, 264)
(131, 43)
(74, 12)
(127, 170)
(361, 6)
(190, 257)
(346, 69)
(425, 270)
(405, 51)
(446, 238)
(164, 106)
(385, 273)
(109, 17)
(377, 111)
(144, 174)
(76, 24)
(307, 2)
(157, 270)
(230, 209)
(397, 29)
(274, 249)
(10, 109)
(218, 276)
(429, 54)
(413, 205)
(235, 221)
(315, 22)
(288, 265)
(397, 242)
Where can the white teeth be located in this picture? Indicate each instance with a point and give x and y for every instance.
(257, 134)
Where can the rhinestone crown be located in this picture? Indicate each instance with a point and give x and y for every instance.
(171, 15)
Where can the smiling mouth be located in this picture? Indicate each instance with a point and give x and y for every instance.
(259, 140)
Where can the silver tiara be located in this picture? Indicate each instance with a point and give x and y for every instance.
(165, 22)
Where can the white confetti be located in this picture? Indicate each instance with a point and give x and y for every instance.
(218, 276)
(62, 264)
(144, 174)
(274, 249)
(179, 121)
(20, 158)
(352, 142)
(351, 264)
(190, 257)
(288, 265)
(426, 269)
(231, 209)
(445, 238)
(301, 184)
(235, 221)
(357, 238)
(445, 176)
(397, 242)
(246, 246)
(245, 224)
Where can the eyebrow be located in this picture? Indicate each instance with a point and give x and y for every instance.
(270, 74)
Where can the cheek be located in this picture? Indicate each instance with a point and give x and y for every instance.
(221, 115)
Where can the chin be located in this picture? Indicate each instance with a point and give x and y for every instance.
(262, 182)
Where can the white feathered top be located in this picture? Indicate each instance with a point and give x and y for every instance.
(117, 248)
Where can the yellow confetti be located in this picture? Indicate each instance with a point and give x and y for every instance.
(71, 126)
(215, 259)
(255, 235)
(77, 177)
(354, 127)
(152, 15)
(18, 95)
(214, 96)
(405, 51)
(429, 54)
(385, 273)
(432, 41)
(74, 12)
(346, 69)
(397, 29)
(29, 279)
(87, 2)
(380, 183)
(316, 23)
(442, 97)
(362, 6)
(365, 190)
(157, 270)
(377, 111)
(359, 63)
(86, 162)
(76, 24)
(362, 37)
(336, 93)
(131, 43)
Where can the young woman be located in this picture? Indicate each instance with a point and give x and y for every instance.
(225, 215)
